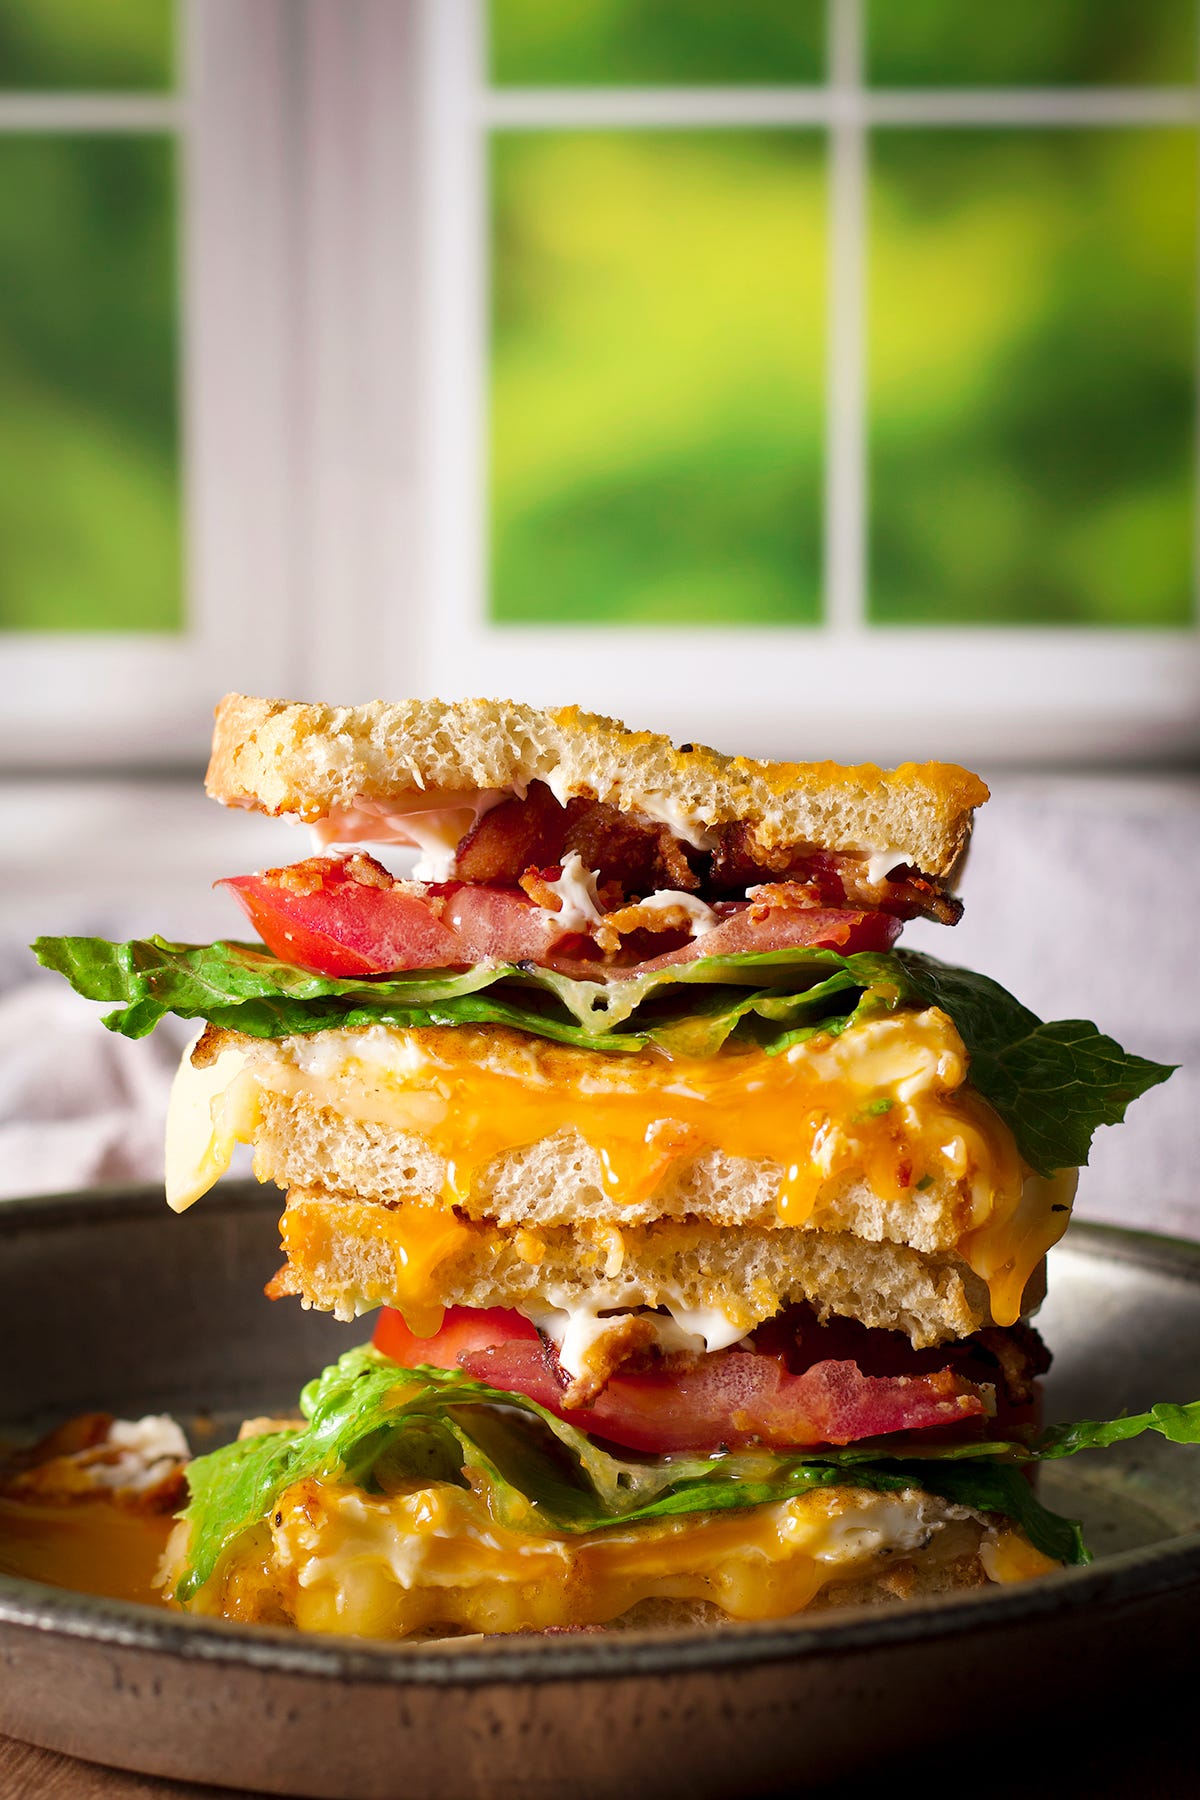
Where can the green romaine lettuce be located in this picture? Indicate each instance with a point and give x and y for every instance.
(372, 1424)
(1053, 1084)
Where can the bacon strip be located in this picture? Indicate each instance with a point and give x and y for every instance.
(635, 856)
(737, 1398)
(515, 836)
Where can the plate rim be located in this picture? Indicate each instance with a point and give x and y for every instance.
(1136, 1574)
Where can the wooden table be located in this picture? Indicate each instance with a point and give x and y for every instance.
(29, 1774)
(1157, 1761)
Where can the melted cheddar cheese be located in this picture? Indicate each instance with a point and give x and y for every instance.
(338, 1560)
(886, 1100)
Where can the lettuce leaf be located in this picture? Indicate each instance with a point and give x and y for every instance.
(244, 987)
(372, 1424)
(1053, 1084)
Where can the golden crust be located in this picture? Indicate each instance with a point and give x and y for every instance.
(287, 757)
(348, 1256)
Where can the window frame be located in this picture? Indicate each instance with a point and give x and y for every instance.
(334, 396)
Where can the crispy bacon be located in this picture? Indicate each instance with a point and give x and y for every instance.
(638, 916)
(739, 862)
(516, 835)
(1009, 1359)
(795, 1381)
(635, 856)
(913, 897)
(525, 840)
(737, 1398)
(641, 855)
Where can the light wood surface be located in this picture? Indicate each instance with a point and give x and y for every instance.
(30, 1774)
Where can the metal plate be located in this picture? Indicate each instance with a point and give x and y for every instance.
(109, 1301)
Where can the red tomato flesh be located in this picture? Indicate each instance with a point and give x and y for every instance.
(318, 916)
(323, 915)
(464, 1329)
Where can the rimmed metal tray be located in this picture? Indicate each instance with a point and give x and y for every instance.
(107, 1300)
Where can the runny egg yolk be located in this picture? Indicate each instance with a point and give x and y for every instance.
(338, 1560)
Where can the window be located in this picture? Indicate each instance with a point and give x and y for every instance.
(815, 375)
(838, 363)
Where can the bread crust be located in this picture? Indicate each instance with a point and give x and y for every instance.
(348, 1256)
(296, 758)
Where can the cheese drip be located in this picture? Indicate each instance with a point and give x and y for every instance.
(338, 1560)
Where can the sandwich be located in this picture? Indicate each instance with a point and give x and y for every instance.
(702, 1227)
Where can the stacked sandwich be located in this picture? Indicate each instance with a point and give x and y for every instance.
(704, 1223)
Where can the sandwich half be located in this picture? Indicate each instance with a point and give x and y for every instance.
(702, 1224)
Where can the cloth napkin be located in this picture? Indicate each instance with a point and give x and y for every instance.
(79, 1106)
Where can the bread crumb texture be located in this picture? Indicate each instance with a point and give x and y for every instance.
(307, 760)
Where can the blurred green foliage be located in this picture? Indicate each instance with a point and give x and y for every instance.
(659, 298)
(89, 492)
(591, 43)
(88, 44)
(964, 43)
(658, 376)
(1033, 376)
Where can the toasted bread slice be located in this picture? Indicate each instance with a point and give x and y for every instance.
(348, 1256)
(285, 757)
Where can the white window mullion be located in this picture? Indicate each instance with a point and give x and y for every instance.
(454, 393)
(1032, 107)
(357, 567)
(736, 108)
(846, 396)
(83, 112)
(238, 332)
(658, 109)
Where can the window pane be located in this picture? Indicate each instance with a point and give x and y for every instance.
(86, 43)
(961, 43)
(1032, 376)
(658, 380)
(89, 501)
(648, 42)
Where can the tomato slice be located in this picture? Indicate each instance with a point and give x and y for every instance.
(318, 914)
(323, 915)
(464, 1329)
(345, 916)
